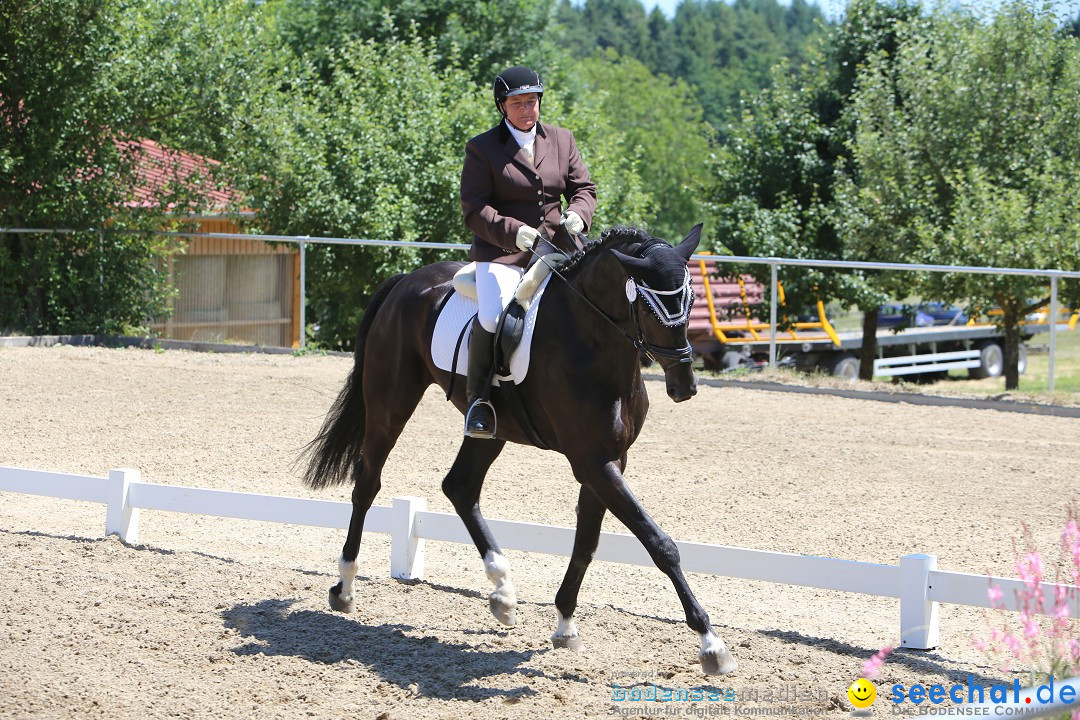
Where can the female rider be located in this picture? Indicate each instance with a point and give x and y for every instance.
(513, 181)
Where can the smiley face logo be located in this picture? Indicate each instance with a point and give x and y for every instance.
(862, 693)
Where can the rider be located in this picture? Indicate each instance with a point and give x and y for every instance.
(512, 184)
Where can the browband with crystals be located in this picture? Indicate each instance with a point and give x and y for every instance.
(655, 303)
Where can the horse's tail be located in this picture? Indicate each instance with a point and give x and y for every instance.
(339, 445)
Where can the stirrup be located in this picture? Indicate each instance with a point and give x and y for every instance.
(475, 426)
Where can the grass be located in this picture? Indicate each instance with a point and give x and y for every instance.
(1036, 380)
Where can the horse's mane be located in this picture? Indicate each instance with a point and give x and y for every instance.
(618, 235)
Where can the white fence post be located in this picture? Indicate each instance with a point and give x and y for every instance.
(918, 613)
(121, 518)
(406, 549)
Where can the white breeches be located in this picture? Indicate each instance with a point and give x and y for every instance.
(495, 285)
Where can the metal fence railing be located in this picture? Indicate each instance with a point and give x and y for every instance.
(302, 241)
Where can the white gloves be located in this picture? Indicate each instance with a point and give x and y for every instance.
(572, 222)
(526, 237)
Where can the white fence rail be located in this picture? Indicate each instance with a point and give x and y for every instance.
(916, 581)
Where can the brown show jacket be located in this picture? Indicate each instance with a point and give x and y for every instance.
(501, 191)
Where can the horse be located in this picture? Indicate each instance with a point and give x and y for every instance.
(622, 296)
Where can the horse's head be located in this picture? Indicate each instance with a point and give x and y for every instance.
(660, 297)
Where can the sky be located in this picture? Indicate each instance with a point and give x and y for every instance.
(1066, 9)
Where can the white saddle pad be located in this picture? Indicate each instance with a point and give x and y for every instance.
(458, 311)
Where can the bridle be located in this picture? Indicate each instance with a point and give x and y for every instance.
(685, 296)
(638, 289)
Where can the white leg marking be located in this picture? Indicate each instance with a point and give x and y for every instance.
(566, 634)
(502, 600)
(566, 628)
(347, 571)
(716, 659)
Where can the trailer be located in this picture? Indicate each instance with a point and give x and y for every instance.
(725, 335)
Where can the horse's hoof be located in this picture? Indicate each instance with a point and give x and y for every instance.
(718, 662)
(570, 642)
(336, 603)
(504, 612)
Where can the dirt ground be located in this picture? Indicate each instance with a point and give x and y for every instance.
(215, 618)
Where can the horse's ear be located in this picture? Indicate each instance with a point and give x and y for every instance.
(689, 244)
(634, 265)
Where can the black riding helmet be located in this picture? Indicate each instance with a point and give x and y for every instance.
(517, 80)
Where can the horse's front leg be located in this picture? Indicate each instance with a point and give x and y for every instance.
(462, 485)
(590, 516)
(607, 482)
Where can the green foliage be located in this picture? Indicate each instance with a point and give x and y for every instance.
(336, 118)
(722, 50)
(369, 147)
(474, 35)
(772, 195)
(194, 64)
(962, 181)
(61, 167)
(870, 227)
(660, 135)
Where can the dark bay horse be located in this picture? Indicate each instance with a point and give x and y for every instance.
(624, 294)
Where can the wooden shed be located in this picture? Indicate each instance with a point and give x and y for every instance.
(228, 290)
(234, 290)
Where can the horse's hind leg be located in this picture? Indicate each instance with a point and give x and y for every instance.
(381, 433)
(590, 516)
(610, 487)
(462, 485)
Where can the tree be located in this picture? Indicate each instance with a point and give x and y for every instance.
(785, 180)
(196, 65)
(773, 189)
(866, 228)
(720, 49)
(367, 145)
(965, 182)
(63, 164)
(473, 35)
(663, 132)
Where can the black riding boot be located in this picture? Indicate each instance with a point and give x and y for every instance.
(480, 417)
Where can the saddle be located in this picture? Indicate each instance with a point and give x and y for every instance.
(511, 326)
(515, 325)
(450, 353)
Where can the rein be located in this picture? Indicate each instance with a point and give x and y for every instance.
(640, 343)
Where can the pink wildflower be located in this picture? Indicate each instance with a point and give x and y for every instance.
(1013, 644)
(994, 595)
(1061, 603)
(1030, 569)
(872, 667)
(1070, 541)
(1031, 628)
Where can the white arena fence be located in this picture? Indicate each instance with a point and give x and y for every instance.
(916, 581)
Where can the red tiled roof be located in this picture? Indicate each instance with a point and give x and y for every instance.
(160, 168)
